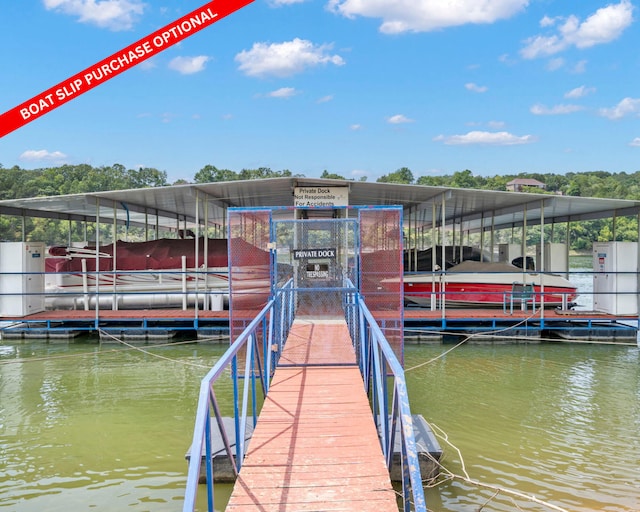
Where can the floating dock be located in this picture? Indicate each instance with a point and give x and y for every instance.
(421, 325)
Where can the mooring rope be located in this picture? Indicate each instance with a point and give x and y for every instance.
(127, 347)
(467, 338)
(151, 354)
(450, 475)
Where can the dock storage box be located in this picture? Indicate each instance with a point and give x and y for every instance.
(555, 258)
(509, 252)
(615, 277)
(21, 278)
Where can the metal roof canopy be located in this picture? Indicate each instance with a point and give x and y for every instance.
(474, 209)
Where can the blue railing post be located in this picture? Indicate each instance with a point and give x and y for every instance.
(207, 402)
(376, 357)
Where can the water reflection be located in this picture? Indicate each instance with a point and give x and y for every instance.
(86, 428)
(558, 422)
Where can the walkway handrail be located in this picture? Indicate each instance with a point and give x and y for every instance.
(275, 320)
(378, 362)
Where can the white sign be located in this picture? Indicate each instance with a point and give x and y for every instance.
(320, 196)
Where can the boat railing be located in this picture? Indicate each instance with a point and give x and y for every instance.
(385, 384)
(438, 292)
(271, 327)
(169, 288)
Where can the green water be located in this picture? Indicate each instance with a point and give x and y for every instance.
(559, 422)
(86, 428)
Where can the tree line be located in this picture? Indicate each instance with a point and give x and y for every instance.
(16, 183)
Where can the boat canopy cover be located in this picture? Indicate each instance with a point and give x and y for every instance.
(160, 254)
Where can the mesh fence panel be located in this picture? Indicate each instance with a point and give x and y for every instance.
(320, 254)
(381, 271)
(249, 266)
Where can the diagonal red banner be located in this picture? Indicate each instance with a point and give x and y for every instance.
(115, 64)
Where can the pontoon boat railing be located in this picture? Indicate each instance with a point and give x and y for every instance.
(272, 327)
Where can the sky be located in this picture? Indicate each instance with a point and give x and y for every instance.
(358, 88)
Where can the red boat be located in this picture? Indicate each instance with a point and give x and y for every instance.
(482, 284)
(158, 273)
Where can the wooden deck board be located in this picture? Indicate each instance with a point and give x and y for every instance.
(315, 446)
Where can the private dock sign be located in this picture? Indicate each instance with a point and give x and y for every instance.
(301, 254)
(320, 196)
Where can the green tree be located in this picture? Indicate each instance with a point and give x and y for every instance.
(464, 179)
(211, 174)
(261, 173)
(402, 175)
(331, 176)
(147, 177)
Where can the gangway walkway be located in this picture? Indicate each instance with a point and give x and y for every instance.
(315, 446)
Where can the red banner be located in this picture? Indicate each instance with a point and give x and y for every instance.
(133, 54)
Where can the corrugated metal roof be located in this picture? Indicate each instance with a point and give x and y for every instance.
(472, 208)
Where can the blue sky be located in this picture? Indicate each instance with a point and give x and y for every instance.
(354, 87)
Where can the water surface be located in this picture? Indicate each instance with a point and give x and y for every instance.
(85, 427)
(559, 422)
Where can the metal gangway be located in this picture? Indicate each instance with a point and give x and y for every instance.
(315, 330)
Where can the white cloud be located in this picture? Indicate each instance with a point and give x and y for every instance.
(485, 138)
(475, 87)
(603, 26)
(546, 21)
(325, 99)
(285, 59)
(542, 46)
(580, 67)
(425, 15)
(580, 92)
(42, 154)
(626, 107)
(188, 65)
(542, 110)
(399, 119)
(111, 14)
(355, 127)
(635, 142)
(495, 125)
(555, 64)
(283, 92)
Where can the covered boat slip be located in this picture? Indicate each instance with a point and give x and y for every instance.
(436, 218)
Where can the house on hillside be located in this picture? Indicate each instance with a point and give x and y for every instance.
(517, 184)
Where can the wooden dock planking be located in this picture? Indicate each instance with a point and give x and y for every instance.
(325, 342)
(315, 446)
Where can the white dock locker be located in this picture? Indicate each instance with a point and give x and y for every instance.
(555, 258)
(509, 252)
(615, 280)
(21, 278)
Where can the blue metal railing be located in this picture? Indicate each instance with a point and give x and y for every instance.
(379, 365)
(272, 326)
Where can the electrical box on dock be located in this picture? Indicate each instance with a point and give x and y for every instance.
(509, 252)
(21, 278)
(555, 258)
(615, 277)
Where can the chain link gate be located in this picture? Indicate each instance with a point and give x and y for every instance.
(321, 255)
